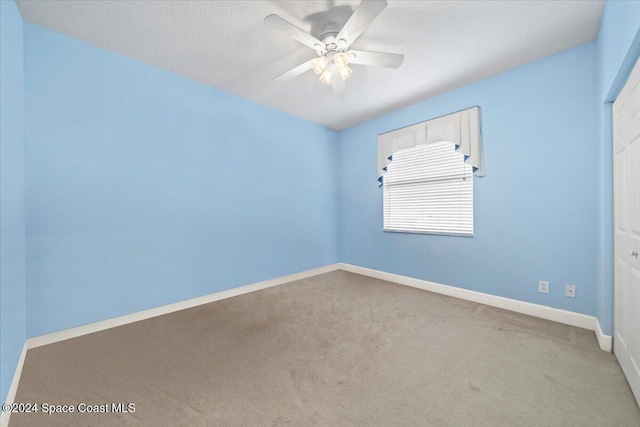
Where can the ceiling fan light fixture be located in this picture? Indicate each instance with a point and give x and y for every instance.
(341, 59)
(333, 46)
(345, 72)
(325, 76)
(320, 64)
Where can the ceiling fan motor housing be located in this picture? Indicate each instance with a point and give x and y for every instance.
(328, 37)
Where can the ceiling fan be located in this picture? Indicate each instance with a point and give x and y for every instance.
(333, 47)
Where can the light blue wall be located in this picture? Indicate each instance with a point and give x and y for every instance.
(618, 47)
(12, 194)
(146, 188)
(536, 213)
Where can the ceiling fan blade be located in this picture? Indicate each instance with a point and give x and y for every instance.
(294, 72)
(360, 20)
(294, 32)
(377, 59)
(338, 85)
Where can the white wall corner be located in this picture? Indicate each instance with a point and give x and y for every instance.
(605, 341)
(11, 394)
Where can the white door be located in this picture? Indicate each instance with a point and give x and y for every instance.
(626, 222)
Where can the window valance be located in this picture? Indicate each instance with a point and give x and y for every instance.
(461, 128)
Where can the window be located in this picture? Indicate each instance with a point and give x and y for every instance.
(429, 189)
(427, 172)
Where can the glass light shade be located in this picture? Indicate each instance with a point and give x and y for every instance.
(320, 64)
(345, 72)
(341, 59)
(325, 77)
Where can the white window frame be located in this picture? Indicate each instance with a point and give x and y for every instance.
(418, 180)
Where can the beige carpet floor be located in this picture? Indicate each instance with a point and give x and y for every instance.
(337, 349)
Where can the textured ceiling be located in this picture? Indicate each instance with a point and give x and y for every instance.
(225, 44)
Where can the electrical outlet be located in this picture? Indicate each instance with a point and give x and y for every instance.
(543, 286)
(570, 291)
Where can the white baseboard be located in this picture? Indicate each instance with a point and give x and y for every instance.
(555, 314)
(605, 341)
(170, 308)
(536, 310)
(13, 388)
(544, 312)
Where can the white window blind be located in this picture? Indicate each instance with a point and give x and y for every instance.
(429, 189)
